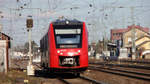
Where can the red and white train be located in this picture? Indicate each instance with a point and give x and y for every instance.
(64, 47)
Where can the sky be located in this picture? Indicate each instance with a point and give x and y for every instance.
(100, 16)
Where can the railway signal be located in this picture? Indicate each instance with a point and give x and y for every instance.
(30, 67)
(29, 23)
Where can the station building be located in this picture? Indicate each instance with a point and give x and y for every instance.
(123, 38)
(143, 47)
(117, 34)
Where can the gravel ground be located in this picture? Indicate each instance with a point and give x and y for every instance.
(18, 77)
(113, 79)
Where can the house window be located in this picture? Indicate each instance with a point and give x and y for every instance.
(129, 40)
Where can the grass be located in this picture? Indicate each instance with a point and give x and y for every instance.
(16, 76)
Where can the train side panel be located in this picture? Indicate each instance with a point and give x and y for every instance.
(84, 55)
(52, 49)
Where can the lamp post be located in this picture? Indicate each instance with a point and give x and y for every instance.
(29, 24)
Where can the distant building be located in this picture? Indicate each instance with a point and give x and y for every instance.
(143, 47)
(4, 52)
(128, 38)
(117, 34)
(5, 37)
(128, 35)
(141, 40)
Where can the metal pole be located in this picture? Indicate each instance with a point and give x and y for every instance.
(133, 34)
(30, 67)
(133, 43)
(30, 50)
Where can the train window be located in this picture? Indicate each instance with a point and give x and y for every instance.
(68, 39)
(68, 36)
(68, 31)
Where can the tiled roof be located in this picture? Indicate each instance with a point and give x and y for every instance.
(122, 30)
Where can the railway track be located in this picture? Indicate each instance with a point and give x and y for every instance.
(91, 80)
(67, 78)
(136, 61)
(123, 65)
(81, 78)
(121, 72)
(64, 81)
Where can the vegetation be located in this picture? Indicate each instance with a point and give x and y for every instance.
(17, 77)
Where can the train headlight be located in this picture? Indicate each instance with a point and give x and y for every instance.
(58, 51)
(79, 51)
(67, 22)
(61, 53)
(70, 54)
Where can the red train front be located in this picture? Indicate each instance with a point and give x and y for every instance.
(65, 46)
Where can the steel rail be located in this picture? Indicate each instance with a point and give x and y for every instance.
(126, 71)
(64, 81)
(124, 65)
(91, 80)
(135, 61)
(82, 78)
(117, 72)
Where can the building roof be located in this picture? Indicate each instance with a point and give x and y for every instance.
(118, 30)
(122, 30)
(142, 43)
(146, 30)
(9, 38)
(6, 36)
(142, 37)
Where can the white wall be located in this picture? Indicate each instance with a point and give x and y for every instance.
(3, 62)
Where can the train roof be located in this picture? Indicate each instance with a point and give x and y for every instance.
(67, 22)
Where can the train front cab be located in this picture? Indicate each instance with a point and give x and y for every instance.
(68, 51)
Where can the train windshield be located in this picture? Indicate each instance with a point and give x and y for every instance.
(68, 37)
